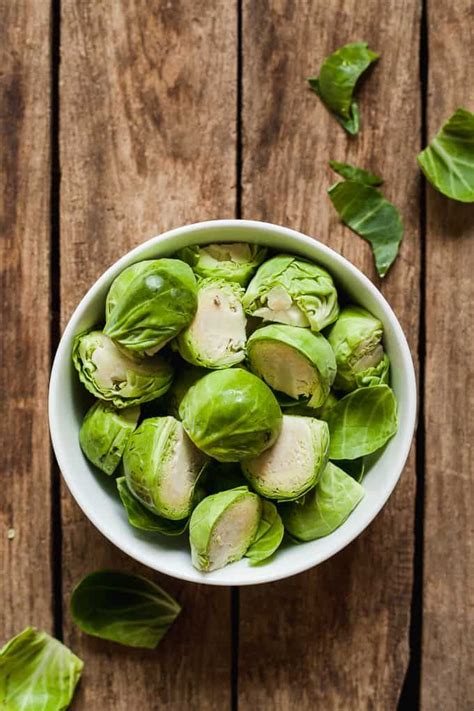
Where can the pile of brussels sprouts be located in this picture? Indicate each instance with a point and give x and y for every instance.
(236, 397)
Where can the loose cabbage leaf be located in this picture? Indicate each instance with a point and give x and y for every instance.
(143, 519)
(369, 214)
(123, 608)
(37, 673)
(351, 172)
(269, 534)
(448, 162)
(362, 422)
(337, 80)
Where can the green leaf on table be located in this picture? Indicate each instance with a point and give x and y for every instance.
(337, 81)
(269, 534)
(358, 175)
(143, 519)
(362, 422)
(369, 214)
(37, 673)
(123, 608)
(448, 162)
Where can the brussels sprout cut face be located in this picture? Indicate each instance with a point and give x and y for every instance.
(149, 303)
(105, 432)
(216, 337)
(294, 361)
(235, 261)
(162, 466)
(292, 291)
(324, 508)
(222, 527)
(356, 340)
(231, 414)
(295, 462)
(111, 374)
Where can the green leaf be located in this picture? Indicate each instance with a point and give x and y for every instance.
(269, 534)
(123, 608)
(37, 673)
(358, 175)
(143, 519)
(364, 209)
(448, 162)
(362, 422)
(337, 81)
(355, 467)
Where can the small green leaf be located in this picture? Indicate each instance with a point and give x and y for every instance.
(448, 162)
(139, 516)
(337, 81)
(123, 608)
(358, 175)
(362, 422)
(369, 214)
(269, 534)
(37, 673)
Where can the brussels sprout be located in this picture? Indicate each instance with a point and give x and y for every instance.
(105, 432)
(294, 361)
(269, 535)
(292, 291)
(149, 303)
(231, 414)
(111, 374)
(356, 341)
(162, 466)
(295, 462)
(142, 518)
(235, 261)
(222, 527)
(216, 336)
(185, 377)
(324, 508)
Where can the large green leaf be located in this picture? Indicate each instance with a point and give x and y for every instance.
(337, 80)
(37, 673)
(362, 422)
(123, 608)
(352, 172)
(143, 519)
(448, 162)
(269, 534)
(369, 214)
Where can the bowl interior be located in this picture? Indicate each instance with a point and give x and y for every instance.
(96, 493)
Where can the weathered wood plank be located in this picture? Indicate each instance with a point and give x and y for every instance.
(148, 97)
(25, 473)
(337, 636)
(448, 589)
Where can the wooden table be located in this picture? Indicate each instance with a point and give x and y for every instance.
(119, 120)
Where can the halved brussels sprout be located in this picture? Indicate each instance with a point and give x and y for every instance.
(295, 462)
(184, 378)
(105, 432)
(234, 261)
(162, 467)
(142, 518)
(292, 291)
(222, 527)
(112, 374)
(216, 336)
(356, 341)
(293, 361)
(231, 414)
(149, 303)
(323, 509)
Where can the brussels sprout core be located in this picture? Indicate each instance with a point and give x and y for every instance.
(222, 528)
(162, 466)
(295, 462)
(216, 337)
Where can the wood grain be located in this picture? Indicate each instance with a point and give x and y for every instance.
(25, 474)
(148, 126)
(448, 618)
(336, 636)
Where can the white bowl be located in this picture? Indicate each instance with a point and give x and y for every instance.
(95, 493)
